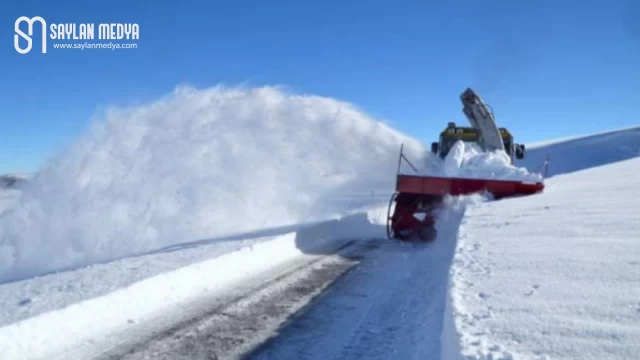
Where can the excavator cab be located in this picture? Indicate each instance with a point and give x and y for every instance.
(453, 133)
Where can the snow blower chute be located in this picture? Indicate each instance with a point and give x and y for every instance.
(417, 196)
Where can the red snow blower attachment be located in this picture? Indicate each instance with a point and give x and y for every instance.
(417, 197)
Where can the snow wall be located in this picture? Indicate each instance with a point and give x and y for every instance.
(194, 164)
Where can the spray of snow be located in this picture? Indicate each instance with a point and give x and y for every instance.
(197, 163)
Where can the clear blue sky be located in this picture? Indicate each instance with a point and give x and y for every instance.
(548, 68)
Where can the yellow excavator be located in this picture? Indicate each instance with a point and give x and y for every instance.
(483, 130)
(453, 133)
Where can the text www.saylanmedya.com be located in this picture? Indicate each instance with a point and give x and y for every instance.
(88, 45)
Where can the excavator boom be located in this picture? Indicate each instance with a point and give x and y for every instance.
(482, 119)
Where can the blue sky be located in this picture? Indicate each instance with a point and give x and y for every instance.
(548, 68)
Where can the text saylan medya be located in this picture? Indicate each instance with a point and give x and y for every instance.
(87, 31)
(73, 31)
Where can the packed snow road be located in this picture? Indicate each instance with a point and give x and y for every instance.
(372, 299)
(391, 306)
(226, 326)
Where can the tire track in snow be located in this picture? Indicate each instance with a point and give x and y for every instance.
(391, 306)
(376, 299)
(232, 325)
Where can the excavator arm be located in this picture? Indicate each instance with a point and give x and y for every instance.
(482, 119)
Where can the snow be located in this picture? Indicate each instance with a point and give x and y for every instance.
(82, 326)
(580, 153)
(583, 137)
(467, 160)
(195, 164)
(10, 181)
(389, 307)
(554, 276)
(24, 299)
(8, 198)
(201, 191)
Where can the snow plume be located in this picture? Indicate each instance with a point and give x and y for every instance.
(197, 163)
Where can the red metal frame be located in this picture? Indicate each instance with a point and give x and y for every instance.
(419, 193)
(433, 185)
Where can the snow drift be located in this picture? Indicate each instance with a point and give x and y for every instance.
(88, 328)
(553, 276)
(580, 153)
(197, 163)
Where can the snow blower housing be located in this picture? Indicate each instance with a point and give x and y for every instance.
(453, 133)
(412, 208)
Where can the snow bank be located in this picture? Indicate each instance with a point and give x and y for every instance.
(85, 327)
(580, 153)
(197, 163)
(553, 276)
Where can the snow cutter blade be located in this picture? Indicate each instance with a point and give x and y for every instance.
(433, 185)
(417, 197)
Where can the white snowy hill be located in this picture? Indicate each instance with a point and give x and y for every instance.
(579, 153)
(555, 276)
(206, 192)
